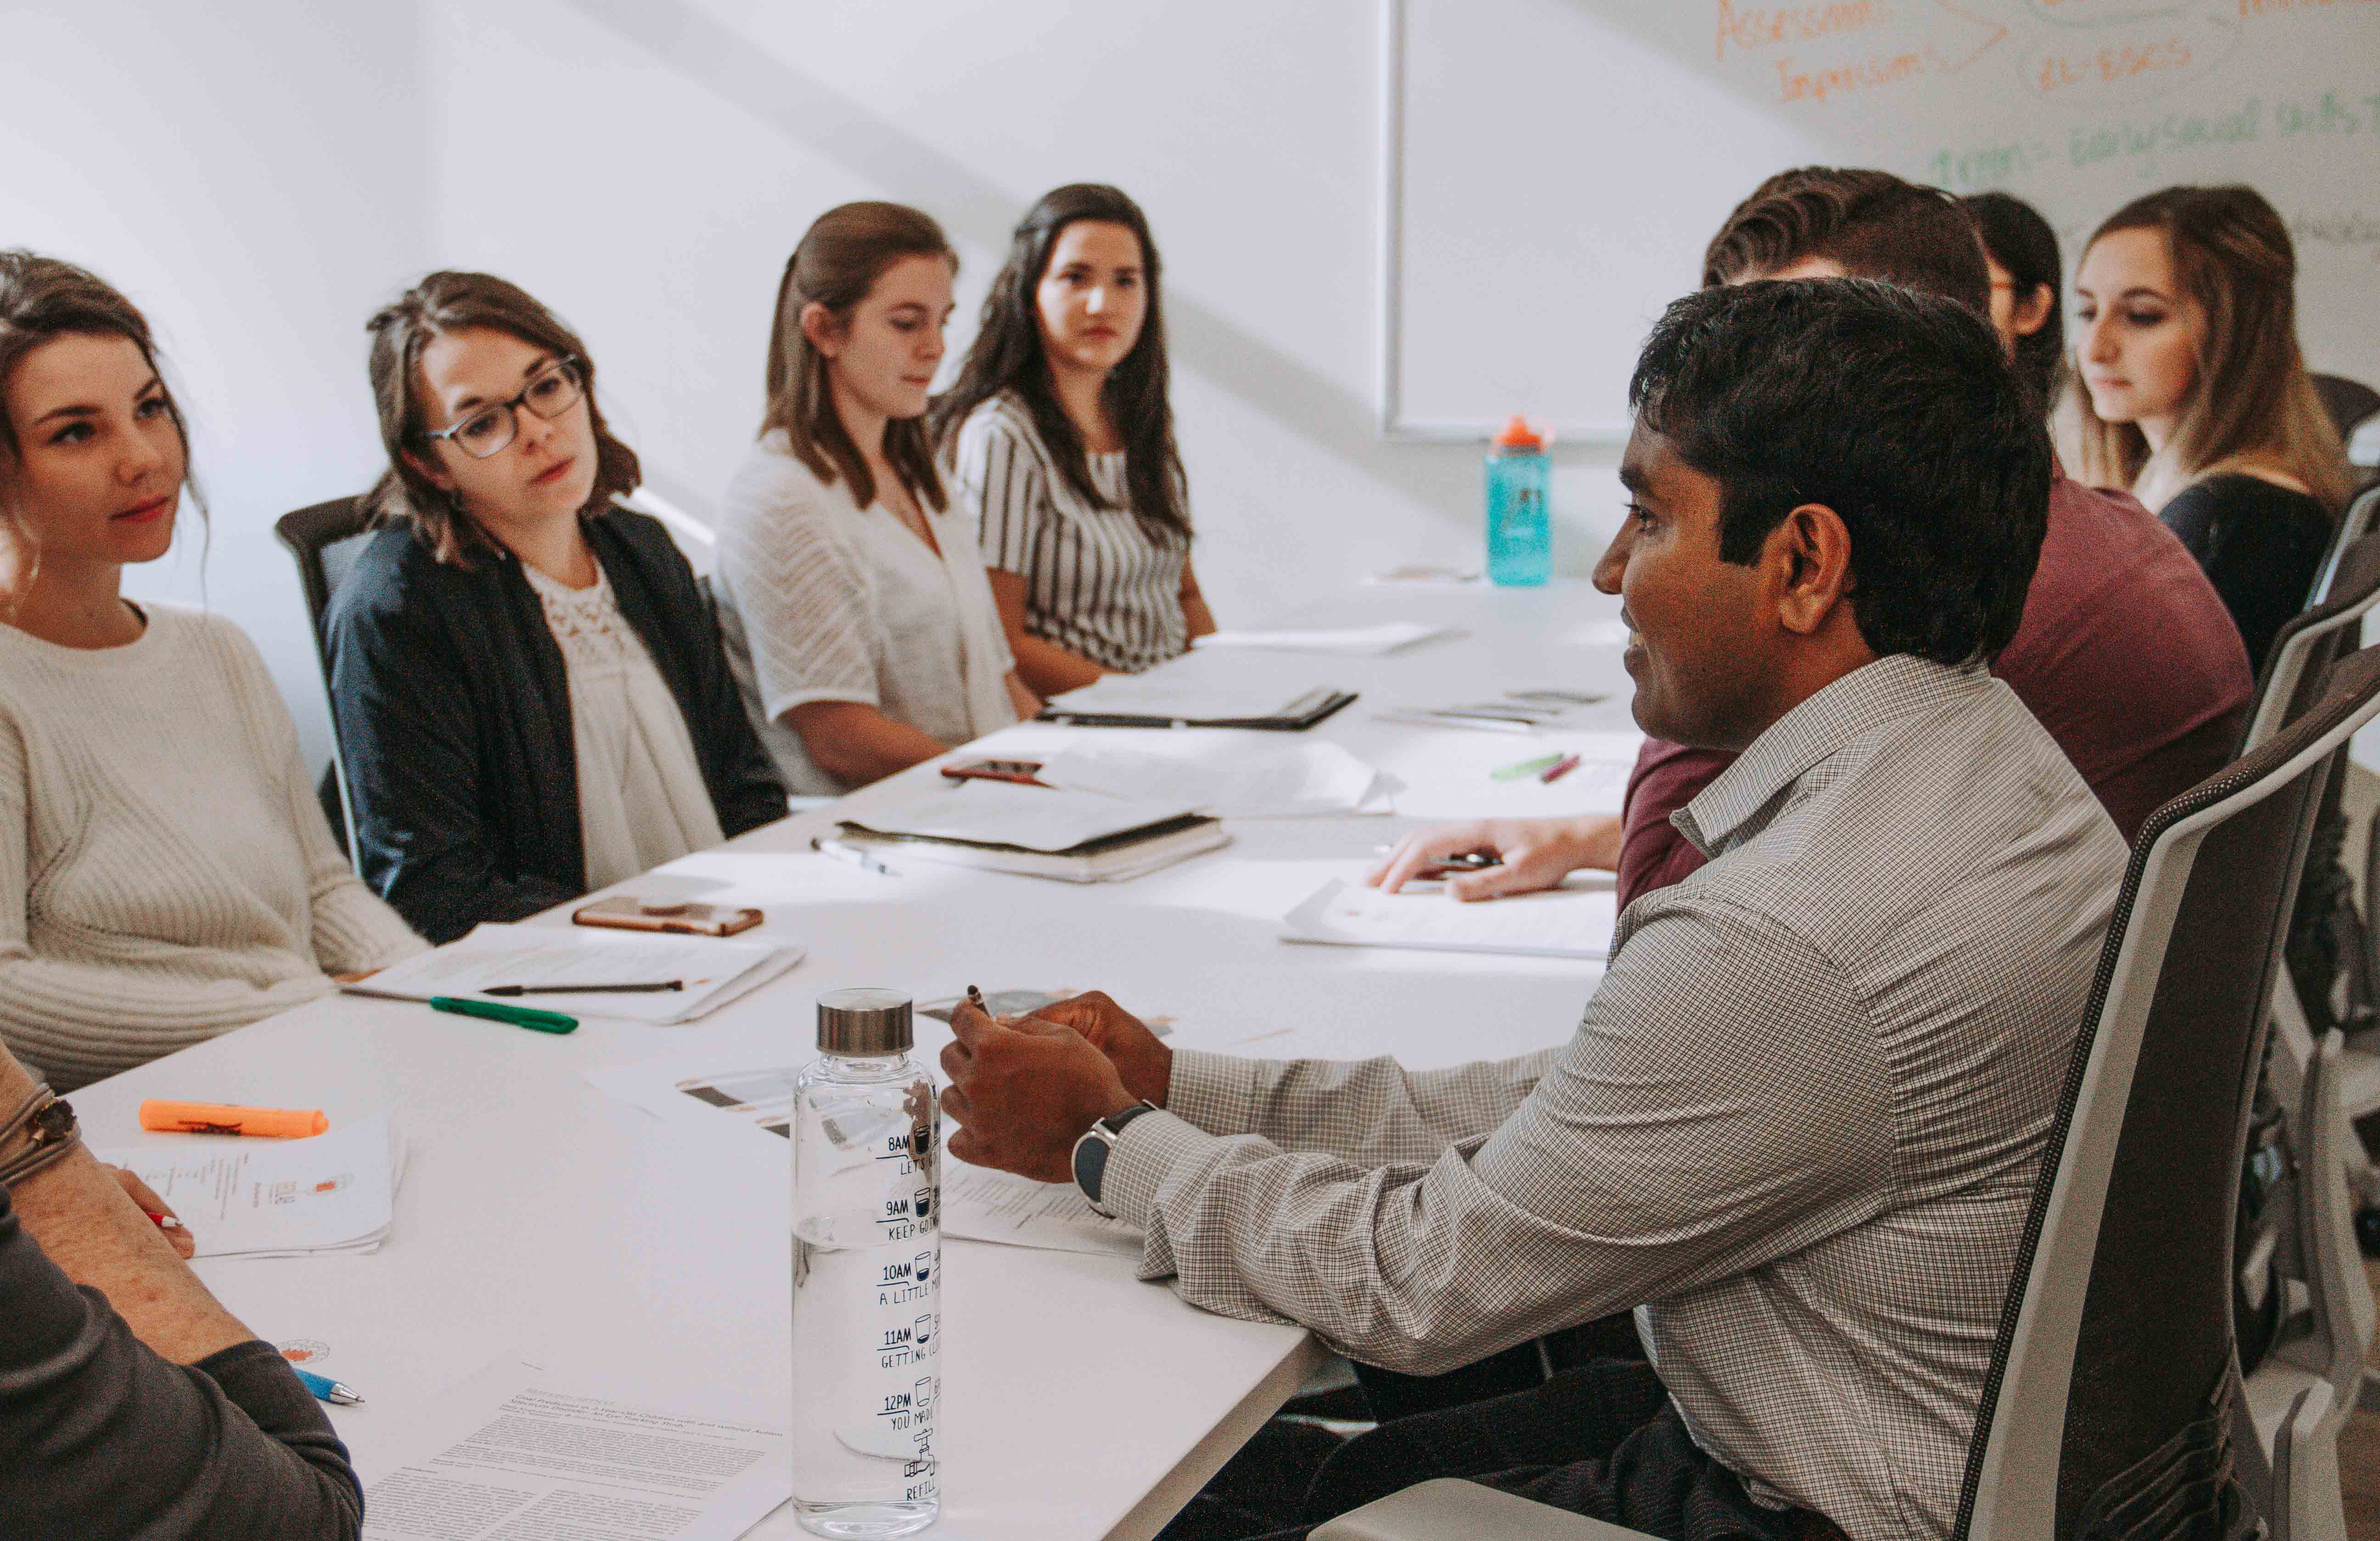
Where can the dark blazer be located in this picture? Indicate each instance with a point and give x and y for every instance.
(453, 710)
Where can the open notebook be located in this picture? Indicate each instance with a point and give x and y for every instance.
(711, 970)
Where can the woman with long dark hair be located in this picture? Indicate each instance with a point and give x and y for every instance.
(531, 695)
(165, 872)
(857, 618)
(1062, 436)
(2020, 254)
(2195, 395)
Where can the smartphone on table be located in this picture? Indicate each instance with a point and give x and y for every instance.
(679, 917)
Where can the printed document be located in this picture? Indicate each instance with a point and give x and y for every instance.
(1561, 923)
(1352, 641)
(334, 1192)
(986, 1205)
(712, 1089)
(713, 970)
(1225, 774)
(510, 1454)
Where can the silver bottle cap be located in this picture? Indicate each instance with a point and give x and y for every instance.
(864, 1021)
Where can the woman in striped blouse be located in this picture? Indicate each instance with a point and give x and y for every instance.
(1064, 448)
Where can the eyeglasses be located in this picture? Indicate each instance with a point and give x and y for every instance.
(554, 390)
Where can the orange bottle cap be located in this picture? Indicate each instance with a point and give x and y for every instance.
(1518, 435)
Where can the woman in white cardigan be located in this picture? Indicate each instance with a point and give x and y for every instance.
(166, 873)
(852, 594)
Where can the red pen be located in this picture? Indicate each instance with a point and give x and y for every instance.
(1560, 769)
(163, 1222)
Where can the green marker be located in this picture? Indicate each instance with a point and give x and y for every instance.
(1524, 768)
(519, 1017)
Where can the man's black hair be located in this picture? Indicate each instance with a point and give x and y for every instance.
(1898, 410)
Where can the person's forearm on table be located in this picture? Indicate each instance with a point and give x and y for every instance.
(857, 743)
(1363, 1111)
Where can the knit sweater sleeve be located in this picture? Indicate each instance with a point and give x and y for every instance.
(81, 1020)
(355, 930)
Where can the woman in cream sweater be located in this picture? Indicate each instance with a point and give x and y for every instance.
(166, 873)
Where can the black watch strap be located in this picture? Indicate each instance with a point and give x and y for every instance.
(1091, 1151)
(1114, 1123)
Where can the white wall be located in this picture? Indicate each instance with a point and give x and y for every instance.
(717, 130)
(259, 174)
(253, 174)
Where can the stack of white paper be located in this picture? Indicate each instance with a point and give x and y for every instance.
(711, 971)
(1230, 778)
(1560, 923)
(332, 1193)
(1350, 641)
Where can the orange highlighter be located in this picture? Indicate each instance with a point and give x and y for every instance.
(217, 1118)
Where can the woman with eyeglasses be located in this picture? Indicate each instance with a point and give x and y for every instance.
(530, 695)
(165, 872)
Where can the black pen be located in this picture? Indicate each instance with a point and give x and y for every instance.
(647, 987)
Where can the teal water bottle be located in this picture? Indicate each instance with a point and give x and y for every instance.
(1520, 525)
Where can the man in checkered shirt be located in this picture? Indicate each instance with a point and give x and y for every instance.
(1798, 1127)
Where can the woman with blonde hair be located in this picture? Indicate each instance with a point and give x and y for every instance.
(2196, 394)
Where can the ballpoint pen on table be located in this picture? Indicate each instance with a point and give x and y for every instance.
(649, 987)
(852, 854)
(519, 1017)
(337, 1392)
(1562, 768)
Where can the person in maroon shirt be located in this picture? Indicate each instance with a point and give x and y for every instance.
(2125, 653)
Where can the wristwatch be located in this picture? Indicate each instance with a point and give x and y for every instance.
(1091, 1151)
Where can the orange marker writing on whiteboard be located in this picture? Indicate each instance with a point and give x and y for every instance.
(216, 1118)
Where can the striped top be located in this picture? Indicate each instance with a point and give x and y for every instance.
(1103, 583)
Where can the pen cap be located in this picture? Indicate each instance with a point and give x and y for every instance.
(864, 1021)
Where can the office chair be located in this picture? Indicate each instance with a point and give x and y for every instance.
(2113, 1397)
(326, 539)
(2348, 403)
(2353, 525)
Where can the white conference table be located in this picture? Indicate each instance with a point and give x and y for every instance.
(542, 1219)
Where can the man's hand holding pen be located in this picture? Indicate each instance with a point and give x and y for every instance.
(1022, 1091)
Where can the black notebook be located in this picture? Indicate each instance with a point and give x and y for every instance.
(1124, 701)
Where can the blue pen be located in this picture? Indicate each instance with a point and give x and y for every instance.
(337, 1392)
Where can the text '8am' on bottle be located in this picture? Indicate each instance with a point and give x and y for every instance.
(867, 1275)
(1520, 523)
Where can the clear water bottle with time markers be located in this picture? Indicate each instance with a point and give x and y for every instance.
(868, 1267)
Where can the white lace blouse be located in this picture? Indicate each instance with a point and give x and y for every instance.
(641, 799)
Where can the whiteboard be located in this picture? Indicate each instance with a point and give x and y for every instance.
(1552, 169)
